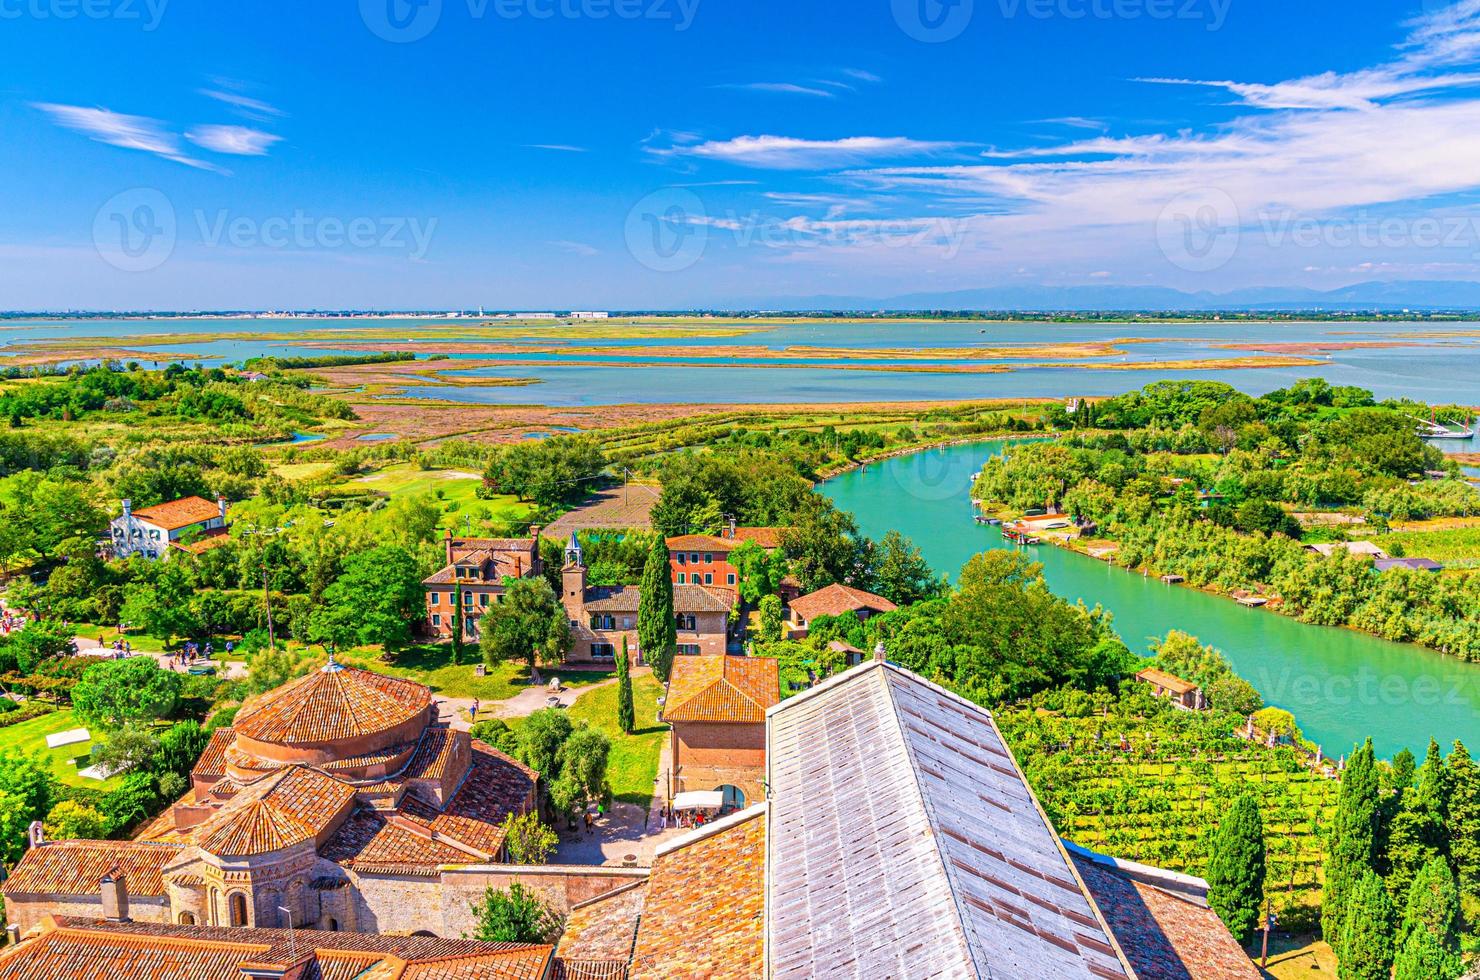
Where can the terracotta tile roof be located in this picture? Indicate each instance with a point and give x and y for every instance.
(721, 688)
(368, 842)
(276, 812)
(705, 910)
(179, 513)
(905, 841)
(328, 705)
(82, 949)
(589, 969)
(213, 539)
(604, 928)
(834, 600)
(212, 762)
(1164, 937)
(766, 537)
(435, 753)
(686, 599)
(700, 542)
(75, 867)
(1164, 680)
(492, 568)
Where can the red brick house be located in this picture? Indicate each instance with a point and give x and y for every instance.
(601, 616)
(716, 707)
(704, 559)
(477, 566)
(834, 600)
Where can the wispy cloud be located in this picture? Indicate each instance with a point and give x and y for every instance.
(557, 147)
(235, 140)
(119, 129)
(791, 153)
(861, 75)
(783, 88)
(243, 104)
(576, 248)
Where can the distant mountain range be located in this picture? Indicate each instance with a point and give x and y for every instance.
(1407, 294)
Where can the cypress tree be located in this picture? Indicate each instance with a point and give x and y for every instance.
(1396, 781)
(1462, 782)
(625, 717)
(457, 622)
(1236, 869)
(1353, 842)
(657, 630)
(1366, 951)
(1417, 831)
(1428, 941)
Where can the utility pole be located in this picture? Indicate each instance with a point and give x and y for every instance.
(267, 601)
(1269, 920)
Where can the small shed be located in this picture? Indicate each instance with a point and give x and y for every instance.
(1184, 694)
(1417, 564)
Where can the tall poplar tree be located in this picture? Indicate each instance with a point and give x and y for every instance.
(1236, 869)
(1417, 831)
(1428, 940)
(1462, 780)
(625, 718)
(657, 630)
(1366, 951)
(1353, 842)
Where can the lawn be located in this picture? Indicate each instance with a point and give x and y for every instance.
(431, 664)
(1443, 544)
(30, 736)
(457, 490)
(632, 767)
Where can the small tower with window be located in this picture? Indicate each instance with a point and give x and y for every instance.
(573, 575)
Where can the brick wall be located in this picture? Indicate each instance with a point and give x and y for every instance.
(708, 754)
(27, 911)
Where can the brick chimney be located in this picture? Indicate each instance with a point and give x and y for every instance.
(879, 652)
(36, 834)
(114, 888)
(221, 507)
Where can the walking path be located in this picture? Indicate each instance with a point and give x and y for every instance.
(455, 711)
(230, 669)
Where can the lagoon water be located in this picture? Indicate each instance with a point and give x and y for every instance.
(1416, 359)
(1341, 685)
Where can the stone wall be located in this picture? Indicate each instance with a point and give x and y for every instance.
(27, 911)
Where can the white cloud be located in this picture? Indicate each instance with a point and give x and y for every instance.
(235, 140)
(576, 248)
(557, 147)
(861, 75)
(790, 153)
(119, 129)
(245, 105)
(784, 88)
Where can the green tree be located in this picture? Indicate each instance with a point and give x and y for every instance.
(657, 630)
(1366, 951)
(457, 624)
(583, 763)
(1416, 831)
(1462, 780)
(900, 573)
(1236, 869)
(528, 624)
(71, 820)
(127, 749)
(1428, 939)
(1351, 852)
(131, 802)
(760, 571)
(540, 739)
(115, 692)
(824, 546)
(528, 840)
(515, 916)
(771, 619)
(14, 821)
(27, 779)
(179, 748)
(626, 719)
(161, 602)
(376, 599)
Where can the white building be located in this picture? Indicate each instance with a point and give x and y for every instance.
(152, 531)
(589, 315)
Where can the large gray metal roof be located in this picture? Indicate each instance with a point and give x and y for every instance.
(904, 843)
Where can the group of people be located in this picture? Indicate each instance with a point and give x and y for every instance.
(122, 649)
(193, 651)
(11, 622)
(685, 819)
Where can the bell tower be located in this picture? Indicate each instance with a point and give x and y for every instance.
(573, 575)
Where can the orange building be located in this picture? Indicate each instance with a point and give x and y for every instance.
(478, 567)
(716, 707)
(704, 559)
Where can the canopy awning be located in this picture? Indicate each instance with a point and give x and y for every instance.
(699, 800)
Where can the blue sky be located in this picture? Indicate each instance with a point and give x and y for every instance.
(669, 153)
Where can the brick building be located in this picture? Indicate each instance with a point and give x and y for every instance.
(704, 559)
(601, 616)
(334, 802)
(478, 568)
(833, 600)
(716, 707)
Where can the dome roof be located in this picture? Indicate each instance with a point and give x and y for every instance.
(331, 705)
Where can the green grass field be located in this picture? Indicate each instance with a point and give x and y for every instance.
(456, 490)
(1442, 544)
(30, 737)
(431, 664)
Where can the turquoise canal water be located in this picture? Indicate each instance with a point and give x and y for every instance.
(1341, 685)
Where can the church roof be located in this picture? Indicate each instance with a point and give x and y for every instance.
(76, 867)
(276, 812)
(332, 704)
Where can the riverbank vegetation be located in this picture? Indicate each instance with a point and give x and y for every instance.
(1196, 480)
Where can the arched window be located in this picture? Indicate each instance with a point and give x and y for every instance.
(187, 919)
(238, 906)
(332, 924)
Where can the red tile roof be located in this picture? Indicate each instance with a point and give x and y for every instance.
(1167, 681)
(82, 949)
(275, 813)
(180, 513)
(604, 928)
(75, 867)
(212, 762)
(700, 542)
(332, 704)
(834, 600)
(768, 538)
(686, 598)
(705, 911)
(721, 688)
